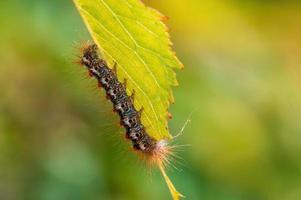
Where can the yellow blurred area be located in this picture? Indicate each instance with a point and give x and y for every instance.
(240, 88)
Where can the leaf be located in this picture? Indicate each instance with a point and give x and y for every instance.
(134, 36)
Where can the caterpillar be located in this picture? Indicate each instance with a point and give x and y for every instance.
(122, 103)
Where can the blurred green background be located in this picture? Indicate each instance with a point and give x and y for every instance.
(241, 82)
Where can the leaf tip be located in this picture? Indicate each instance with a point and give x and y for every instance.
(176, 195)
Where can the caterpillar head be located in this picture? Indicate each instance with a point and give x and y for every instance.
(90, 56)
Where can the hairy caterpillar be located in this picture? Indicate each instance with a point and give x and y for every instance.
(155, 151)
(122, 103)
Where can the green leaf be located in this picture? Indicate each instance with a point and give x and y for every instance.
(134, 36)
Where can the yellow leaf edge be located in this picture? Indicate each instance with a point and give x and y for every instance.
(161, 18)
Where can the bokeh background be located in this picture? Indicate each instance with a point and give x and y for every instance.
(240, 88)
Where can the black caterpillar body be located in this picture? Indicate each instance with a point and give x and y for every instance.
(123, 104)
